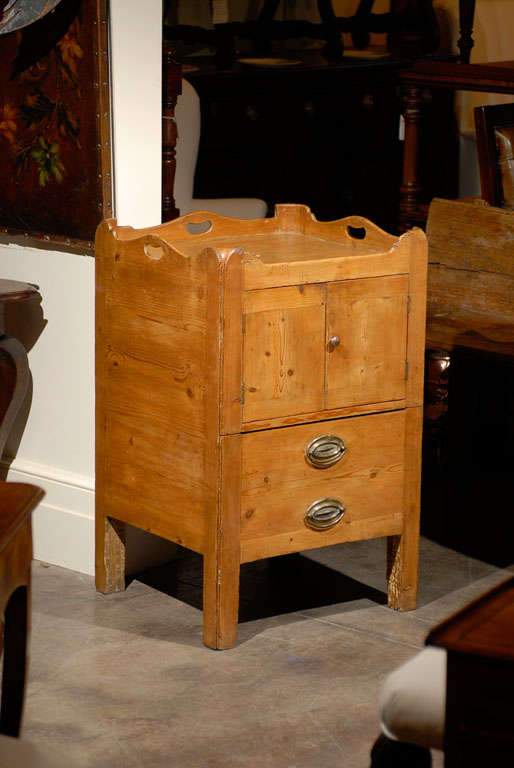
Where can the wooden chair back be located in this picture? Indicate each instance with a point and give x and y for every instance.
(495, 142)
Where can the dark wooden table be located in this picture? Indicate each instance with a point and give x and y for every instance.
(325, 135)
(14, 368)
(479, 640)
(496, 77)
(17, 500)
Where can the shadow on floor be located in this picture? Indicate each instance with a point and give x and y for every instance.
(270, 587)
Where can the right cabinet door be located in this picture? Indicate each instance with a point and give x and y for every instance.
(367, 340)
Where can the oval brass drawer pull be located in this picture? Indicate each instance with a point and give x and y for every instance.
(324, 513)
(325, 451)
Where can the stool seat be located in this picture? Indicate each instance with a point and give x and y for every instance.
(14, 290)
(412, 703)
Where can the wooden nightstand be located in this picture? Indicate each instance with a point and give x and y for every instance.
(259, 392)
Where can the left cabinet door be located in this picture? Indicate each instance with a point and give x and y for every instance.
(283, 351)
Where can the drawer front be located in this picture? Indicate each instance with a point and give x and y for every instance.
(362, 472)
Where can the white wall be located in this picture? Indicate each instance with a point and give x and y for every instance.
(57, 447)
(56, 450)
(136, 62)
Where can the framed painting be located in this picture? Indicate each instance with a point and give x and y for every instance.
(55, 142)
(494, 126)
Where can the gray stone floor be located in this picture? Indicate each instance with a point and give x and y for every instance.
(124, 680)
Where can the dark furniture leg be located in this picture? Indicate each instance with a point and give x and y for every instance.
(171, 89)
(387, 753)
(410, 188)
(17, 500)
(15, 658)
(466, 17)
(360, 33)
(262, 43)
(333, 50)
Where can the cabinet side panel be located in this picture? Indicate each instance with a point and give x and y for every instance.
(418, 248)
(159, 407)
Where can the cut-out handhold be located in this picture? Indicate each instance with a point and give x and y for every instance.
(155, 252)
(198, 227)
(358, 233)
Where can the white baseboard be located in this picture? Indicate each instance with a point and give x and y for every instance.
(63, 524)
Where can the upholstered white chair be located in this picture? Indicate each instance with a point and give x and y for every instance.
(187, 115)
(412, 709)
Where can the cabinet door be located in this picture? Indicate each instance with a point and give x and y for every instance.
(367, 319)
(283, 351)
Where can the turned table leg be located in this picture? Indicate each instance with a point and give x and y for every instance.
(410, 188)
(334, 48)
(466, 17)
(171, 90)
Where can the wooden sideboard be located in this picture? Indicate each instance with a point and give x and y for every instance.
(259, 392)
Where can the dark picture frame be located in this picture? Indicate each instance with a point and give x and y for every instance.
(494, 125)
(55, 128)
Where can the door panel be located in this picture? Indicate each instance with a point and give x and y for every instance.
(369, 317)
(283, 351)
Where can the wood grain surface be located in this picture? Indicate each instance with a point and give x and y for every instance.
(470, 276)
(278, 484)
(370, 318)
(214, 370)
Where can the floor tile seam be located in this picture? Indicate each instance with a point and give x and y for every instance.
(359, 631)
(325, 731)
(429, 623)
(466, 598)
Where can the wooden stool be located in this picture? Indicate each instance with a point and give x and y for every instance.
(14, 367)
(17, 500)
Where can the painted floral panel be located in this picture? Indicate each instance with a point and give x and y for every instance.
(50, 164)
